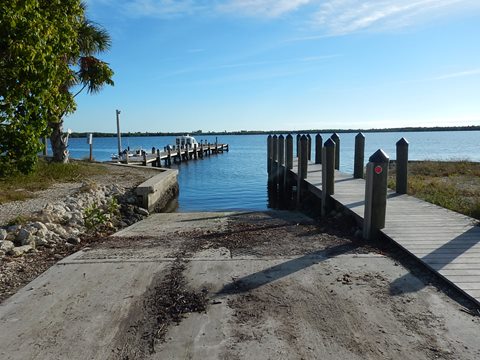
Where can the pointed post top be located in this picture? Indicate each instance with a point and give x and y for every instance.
(318, 136)
(289, 136)
(379, 156)
(329, 143)
(281, 137)
(268, 137)
(308, 136)
(402, 141)
(334, 137)
(360, 135)
(303, 137)
(275, 136)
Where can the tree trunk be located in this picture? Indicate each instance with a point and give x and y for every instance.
(59, 146)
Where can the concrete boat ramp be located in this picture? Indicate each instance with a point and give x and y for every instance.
(235, 286)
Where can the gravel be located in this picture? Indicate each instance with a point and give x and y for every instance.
(119, 175)
(56, 227)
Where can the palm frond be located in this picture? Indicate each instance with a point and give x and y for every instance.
(93, 38)
(94, 73)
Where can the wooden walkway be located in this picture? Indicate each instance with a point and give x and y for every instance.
(175, 155)
(445, 241)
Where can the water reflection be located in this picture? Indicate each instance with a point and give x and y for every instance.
(281, 194)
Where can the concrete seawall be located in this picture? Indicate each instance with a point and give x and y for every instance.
(155, 193)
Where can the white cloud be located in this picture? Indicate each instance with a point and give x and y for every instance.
(153, 8)
(347, 16)
(329, 17)
(167, 8)
(473, 72)
(259, 66)
(161, 8)
(311, 59)
(268, 8)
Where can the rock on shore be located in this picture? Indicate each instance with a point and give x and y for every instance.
(105, 209)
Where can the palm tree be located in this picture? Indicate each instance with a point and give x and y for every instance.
(88, 72)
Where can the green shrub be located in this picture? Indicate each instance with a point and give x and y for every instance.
(98, 218)
(454, 185)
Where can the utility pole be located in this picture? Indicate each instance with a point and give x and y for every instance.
(119, 136)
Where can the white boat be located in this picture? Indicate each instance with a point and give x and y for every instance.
(128, 153)
(185, 141)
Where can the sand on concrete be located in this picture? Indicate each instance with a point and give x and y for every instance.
(275, 285)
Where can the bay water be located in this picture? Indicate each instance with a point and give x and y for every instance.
(237, 180)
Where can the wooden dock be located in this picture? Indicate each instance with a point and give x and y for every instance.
(156, 156)
(445, 241)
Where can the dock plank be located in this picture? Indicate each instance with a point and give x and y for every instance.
(445, 241)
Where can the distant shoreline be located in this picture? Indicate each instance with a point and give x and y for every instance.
(260, 132)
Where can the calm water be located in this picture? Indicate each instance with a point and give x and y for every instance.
(237, 180)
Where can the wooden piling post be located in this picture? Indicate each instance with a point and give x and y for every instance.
(274, 157)
(302, 167)
(144, 158)
(119, 133)
(336, 139)
(298, 145)
(289, 152)
(179, 154)
(195, 153)
(309, 147)
(304, 157)
(269, 154)
(375, 195)
(318, 148)
(90, 143)
(281, 160)
(328, 175)
(169, 156)
(159, 160)
(402, 166)
(288, 161)
(359, 157)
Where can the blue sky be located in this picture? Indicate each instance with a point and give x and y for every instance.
(286, 64)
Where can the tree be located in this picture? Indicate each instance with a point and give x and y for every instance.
(46, 48)
(88, 72)
(37, 40)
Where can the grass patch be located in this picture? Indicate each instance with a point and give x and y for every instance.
(20, 220)
(45, 174)
(454, 185)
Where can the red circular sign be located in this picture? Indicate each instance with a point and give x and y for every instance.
(378, 169)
